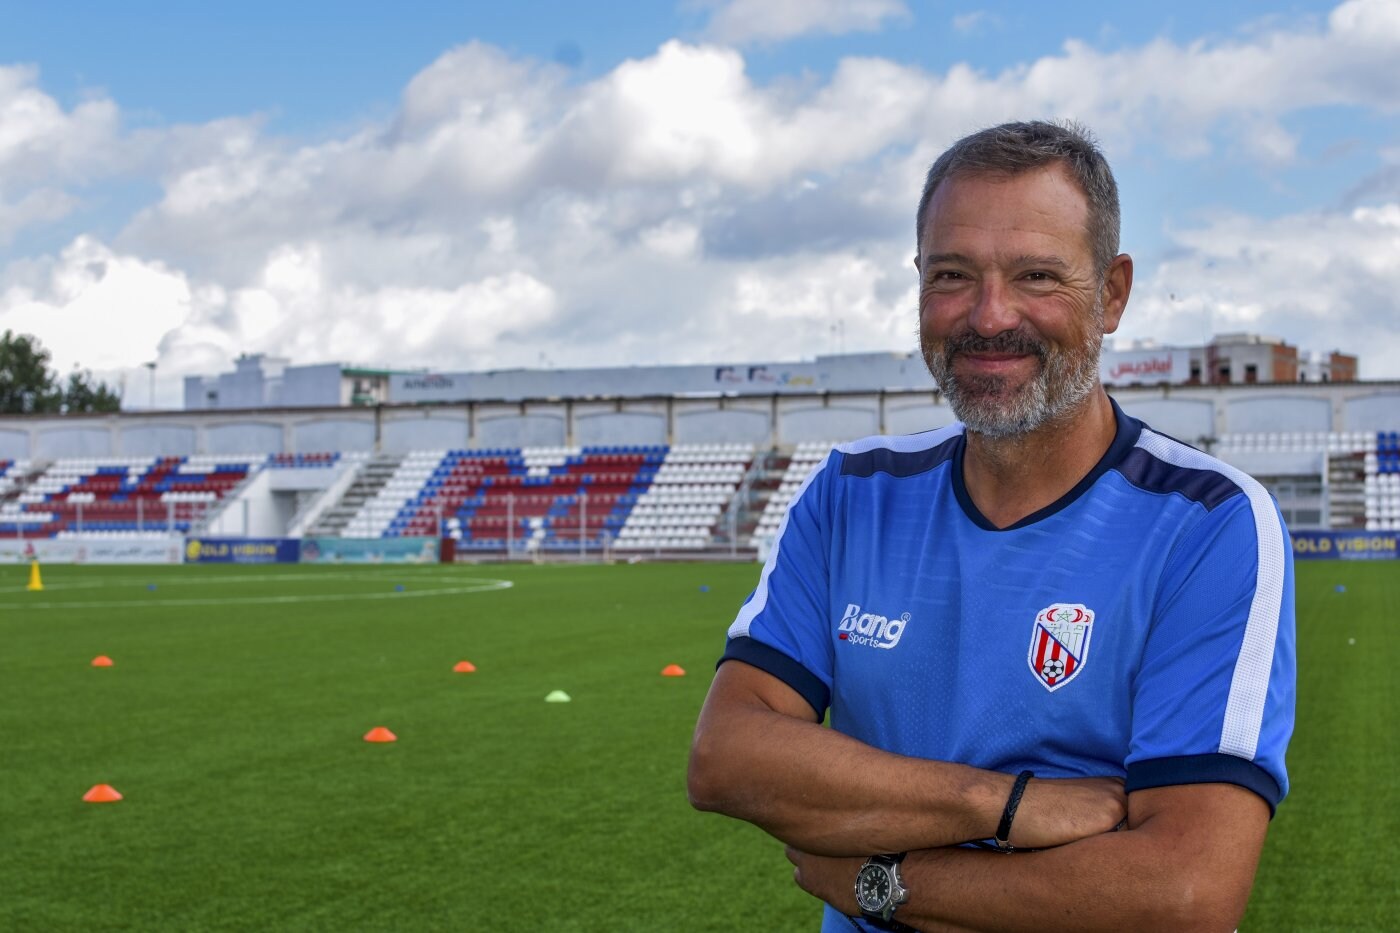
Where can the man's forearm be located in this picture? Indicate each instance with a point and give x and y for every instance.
(828, 793)
(759, 755)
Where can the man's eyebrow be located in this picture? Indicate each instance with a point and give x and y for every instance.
(1027, 259)
(958, 258)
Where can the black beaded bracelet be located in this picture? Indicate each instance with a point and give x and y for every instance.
(1003, 835)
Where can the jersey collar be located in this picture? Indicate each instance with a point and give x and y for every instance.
(1126, 437)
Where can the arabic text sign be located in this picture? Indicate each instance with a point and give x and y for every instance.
(1145, 367)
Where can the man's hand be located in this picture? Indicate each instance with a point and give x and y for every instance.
(832, 880)
(1055, 812)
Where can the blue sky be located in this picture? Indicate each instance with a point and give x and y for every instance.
(488, 185)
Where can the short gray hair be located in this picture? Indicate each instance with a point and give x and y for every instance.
(1013, 148)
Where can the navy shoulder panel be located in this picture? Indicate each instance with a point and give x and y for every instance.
(1208, 487)
(900, 463)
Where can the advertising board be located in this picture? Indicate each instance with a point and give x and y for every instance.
(162, 549)
(242, 551)
(369, 550)
(1346, 545)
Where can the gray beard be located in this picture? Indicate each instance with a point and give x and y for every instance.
(991, 405)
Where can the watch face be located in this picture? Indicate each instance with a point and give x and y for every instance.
(873, 887)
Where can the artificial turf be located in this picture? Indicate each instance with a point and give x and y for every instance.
(232, 719)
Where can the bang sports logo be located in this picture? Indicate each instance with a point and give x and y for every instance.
(1060, 643)
(869, 629)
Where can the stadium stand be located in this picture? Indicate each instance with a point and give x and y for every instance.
(535, 498)
(804, 460)
(688, 495)
(117, 496)
(635, 497)
(639, 499)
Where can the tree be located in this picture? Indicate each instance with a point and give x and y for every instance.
(28, 385)
(83, 393)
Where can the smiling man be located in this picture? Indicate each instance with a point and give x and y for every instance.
(1033, 628)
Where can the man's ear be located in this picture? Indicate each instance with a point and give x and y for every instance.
(1117, 285)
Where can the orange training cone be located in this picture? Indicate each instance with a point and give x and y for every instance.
(464, 667)
(380, 734)
(101, 661)
(36, 582)
(673, 670)
(102, 793)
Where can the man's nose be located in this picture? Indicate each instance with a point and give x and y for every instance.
(995, 310)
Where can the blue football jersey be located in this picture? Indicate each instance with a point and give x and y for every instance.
(1140, 627)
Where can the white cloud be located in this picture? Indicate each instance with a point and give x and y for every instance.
(1322, 281)
(975, 21)
(748, 21)
(98, 309)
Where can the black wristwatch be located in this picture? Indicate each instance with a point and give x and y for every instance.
(880, 887)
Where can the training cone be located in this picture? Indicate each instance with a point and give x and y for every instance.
(101, 661)
(464, 667)
(102, 793)
(380, 734)
(673, 670)
(36, 582)
(557, 696)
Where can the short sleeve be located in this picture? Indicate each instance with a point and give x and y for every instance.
(782, 628)
(1213, 700)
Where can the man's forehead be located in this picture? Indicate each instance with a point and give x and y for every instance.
(1047, 196)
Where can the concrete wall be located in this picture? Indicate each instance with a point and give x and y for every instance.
(830, 422)
(323, 434)
(718, 426)
(159, 440)
(1290, 412)
(1373, 412)
(1185, 419)
(14, 445)
(54, 442)
(243, 437)
(430, 429)
(622, 427)
(541, 430)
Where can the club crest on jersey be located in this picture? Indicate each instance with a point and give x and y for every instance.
(1060, 643)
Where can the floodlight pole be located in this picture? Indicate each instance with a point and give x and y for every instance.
(140, 514)
(152, 367)
(510, 525)
(582, 525)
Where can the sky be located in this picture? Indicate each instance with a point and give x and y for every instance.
(471, 186)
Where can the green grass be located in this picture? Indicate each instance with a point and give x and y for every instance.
(233, 728)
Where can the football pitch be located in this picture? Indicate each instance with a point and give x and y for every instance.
(232, 720)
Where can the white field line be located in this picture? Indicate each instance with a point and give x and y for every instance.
(93, 583)
(477, 585)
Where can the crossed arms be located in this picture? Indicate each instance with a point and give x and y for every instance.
(1185, 861)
